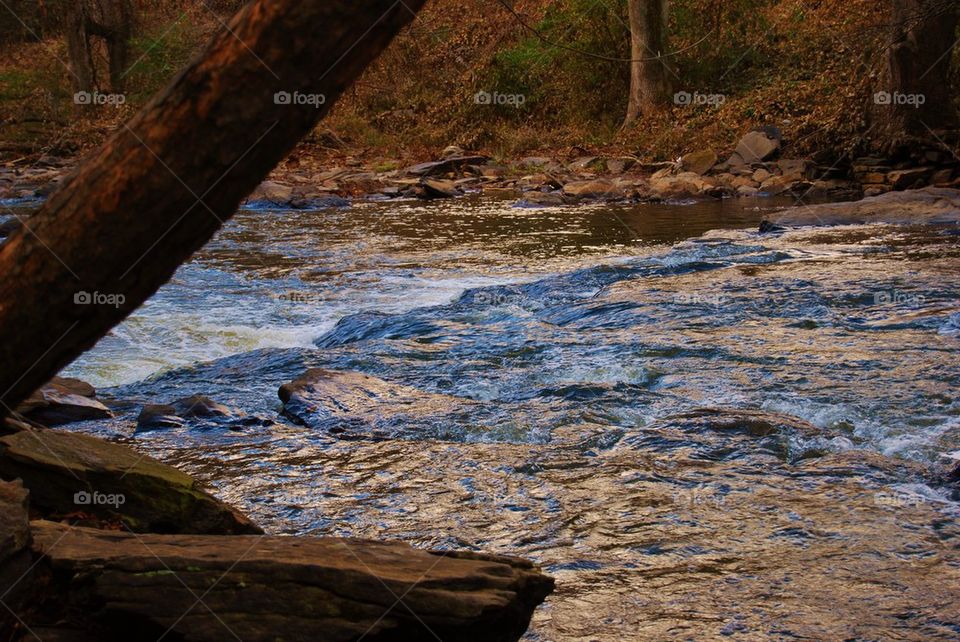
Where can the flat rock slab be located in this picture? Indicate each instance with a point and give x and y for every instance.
(200, 588)
(922, 206)
(69, 472)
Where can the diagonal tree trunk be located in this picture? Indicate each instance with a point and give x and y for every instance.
(163, 184)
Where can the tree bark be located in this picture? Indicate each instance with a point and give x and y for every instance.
(650, 84)
(164, 183)
(917, 70)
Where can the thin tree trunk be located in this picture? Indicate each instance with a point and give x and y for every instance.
(915, 93)
(649, 75)
(164, 184)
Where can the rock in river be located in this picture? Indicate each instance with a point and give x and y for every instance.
(156, 416)
(63, 401)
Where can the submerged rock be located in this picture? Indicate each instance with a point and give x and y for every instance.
(273, 588)
(70, 472)
(730, 433)
(63, 401)
(352, 404)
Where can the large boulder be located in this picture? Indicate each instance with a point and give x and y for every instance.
(922, 206)
(757, 146)
(63, 401)
(681, 185)
(282, 588)
(72, 472)
(699, 162)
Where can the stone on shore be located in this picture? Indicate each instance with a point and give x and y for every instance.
(72, 472)
(437, 168)
(62, 401)
(598, 189)
(699, 162)
(683, 185)
(283, 588)
(757, 146)
(535, 199)
(433, 188)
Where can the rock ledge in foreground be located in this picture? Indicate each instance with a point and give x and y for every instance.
(284, 588)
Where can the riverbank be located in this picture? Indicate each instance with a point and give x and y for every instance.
(312, 178)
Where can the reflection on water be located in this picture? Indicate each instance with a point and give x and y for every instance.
(570, 348)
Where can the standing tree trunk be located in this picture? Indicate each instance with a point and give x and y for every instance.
(915, 94)
(115, 26)
(650, 85)
(162, 185)
(78, 45)
(110, 20)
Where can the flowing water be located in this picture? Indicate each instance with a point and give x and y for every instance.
(551, 356)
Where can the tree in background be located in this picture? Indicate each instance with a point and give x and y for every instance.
(650, 85)
(110, 20)
(914, 96)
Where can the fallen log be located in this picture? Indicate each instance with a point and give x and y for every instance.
(210, 588)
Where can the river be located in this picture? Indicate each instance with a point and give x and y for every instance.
(568, 343)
